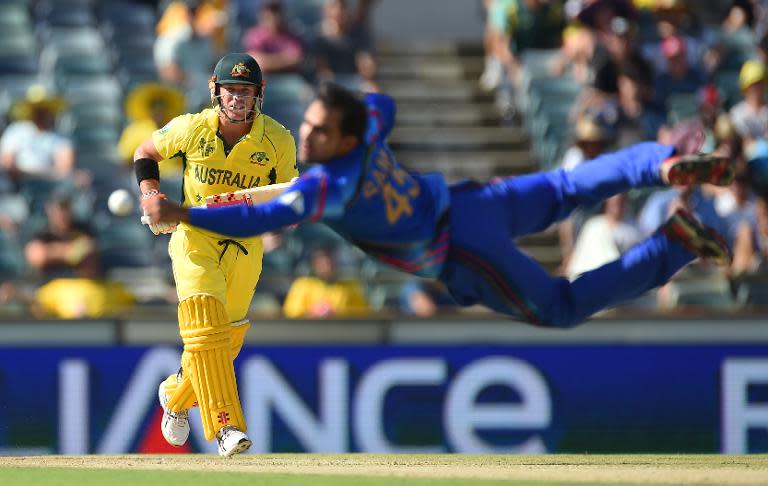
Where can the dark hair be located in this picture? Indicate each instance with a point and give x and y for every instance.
(637, 69)
(354, 116)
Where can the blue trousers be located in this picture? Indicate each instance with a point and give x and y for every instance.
(484, 266)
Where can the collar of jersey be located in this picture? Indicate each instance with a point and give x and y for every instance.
(257, 128)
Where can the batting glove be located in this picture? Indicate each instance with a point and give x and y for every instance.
(156, 228)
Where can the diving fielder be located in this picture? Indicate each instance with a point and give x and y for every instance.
(231, 147)
(462, 234)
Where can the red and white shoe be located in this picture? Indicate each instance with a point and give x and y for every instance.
(700, 240)
(686, 170)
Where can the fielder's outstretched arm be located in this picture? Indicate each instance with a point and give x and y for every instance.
(311, 197)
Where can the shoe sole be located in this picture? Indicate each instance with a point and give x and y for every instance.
(162, 430)
(706, 244)
(700, 169)
(243, 445)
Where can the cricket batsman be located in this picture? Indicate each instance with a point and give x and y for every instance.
(463, 234)
(229, 147)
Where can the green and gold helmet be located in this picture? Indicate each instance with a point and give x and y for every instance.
(238, 68)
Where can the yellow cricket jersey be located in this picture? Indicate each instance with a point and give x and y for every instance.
(266, 155)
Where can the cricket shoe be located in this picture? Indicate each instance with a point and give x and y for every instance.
(231, 441)
(175, 425)
(686, 170)
(700, 240)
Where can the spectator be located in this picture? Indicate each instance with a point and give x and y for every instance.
(513, 26)
(661, 204)
(149, 107)
(639, 116)
(611, 23)
(750, 116)
(710, 108)
(323, 293)
(274, 46)
(66, 256)
(590, 140)
(425, 298)
(727, 141)
(64, 248)
(674, 18)
(750, 249)
(577, 51)
(600, 101)
(736, 205)
(679, 76)
(30, 147)
(343, 49)
(603, 238)
(737, 40)
(535, 24)
(499, 60)
(186, 54)
(78, 298)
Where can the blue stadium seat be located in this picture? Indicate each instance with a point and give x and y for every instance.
(125, 243)
(77, 66)
(93, 90)
(73, 39)
(14, 15)
(126, 13)
(12, 262)
(752, 290)
(17, 64)
(18, 46)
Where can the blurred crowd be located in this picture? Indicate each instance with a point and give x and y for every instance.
(83, 82)
(596, 75)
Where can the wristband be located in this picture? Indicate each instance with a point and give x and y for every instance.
(146, 168)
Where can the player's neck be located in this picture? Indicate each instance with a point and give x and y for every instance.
(233, 132)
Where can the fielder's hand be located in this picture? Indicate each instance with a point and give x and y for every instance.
(160, 213)
(149, 203)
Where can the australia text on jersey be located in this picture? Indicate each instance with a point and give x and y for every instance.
(212, 176)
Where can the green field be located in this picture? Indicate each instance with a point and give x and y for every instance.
(379, 470)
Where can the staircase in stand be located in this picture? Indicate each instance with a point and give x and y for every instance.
(447, 123)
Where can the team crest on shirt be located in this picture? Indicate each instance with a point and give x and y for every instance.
(240, 70)
(206, 147)
(259, 158)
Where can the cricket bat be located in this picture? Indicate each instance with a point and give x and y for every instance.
(250, 196)
(253, 195)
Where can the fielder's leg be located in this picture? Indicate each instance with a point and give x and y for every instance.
(484, 266)
(509, 282)
(533, 202)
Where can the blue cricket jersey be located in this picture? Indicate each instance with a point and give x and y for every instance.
(366, 196)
